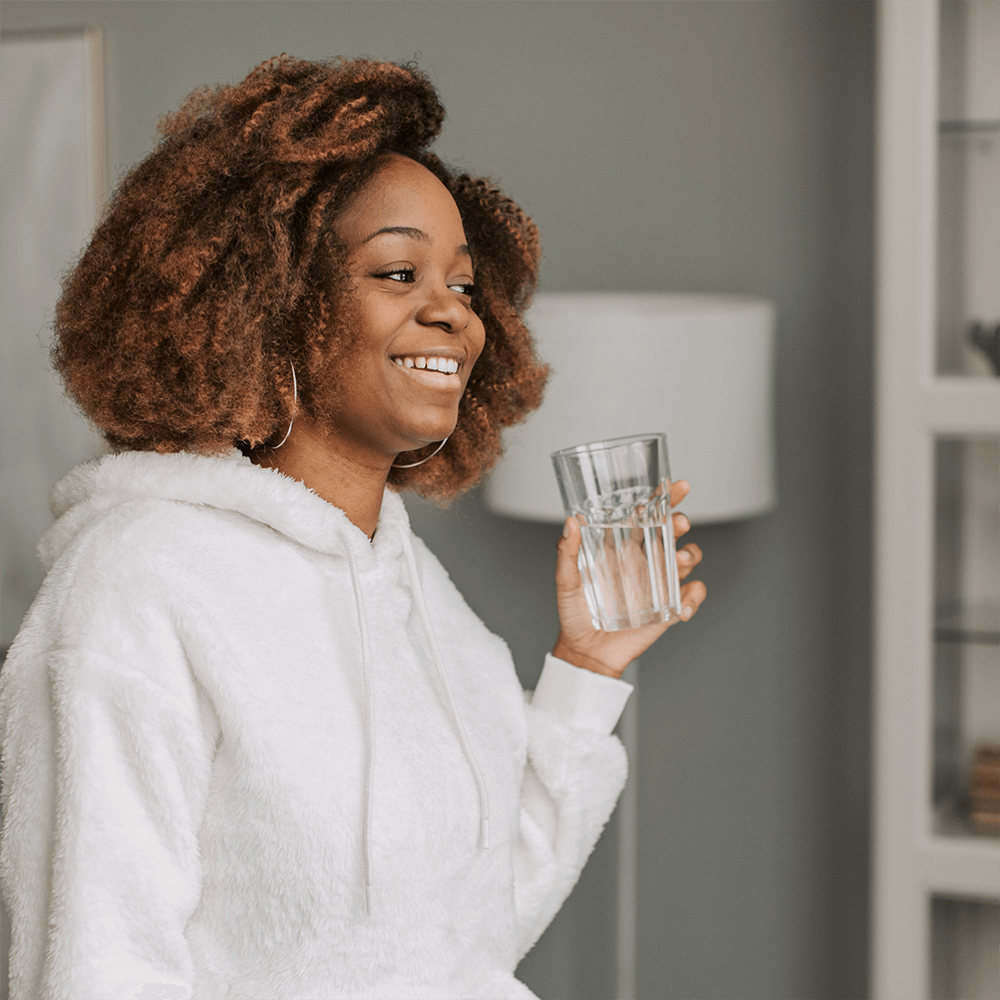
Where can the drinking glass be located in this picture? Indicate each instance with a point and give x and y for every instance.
(619, 492)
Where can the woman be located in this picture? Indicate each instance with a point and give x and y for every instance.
(255, 743)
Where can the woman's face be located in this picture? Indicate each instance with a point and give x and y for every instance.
(412, 277)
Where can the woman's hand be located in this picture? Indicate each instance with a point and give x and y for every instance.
(610, 653)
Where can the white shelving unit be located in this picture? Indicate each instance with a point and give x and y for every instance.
(936, 878)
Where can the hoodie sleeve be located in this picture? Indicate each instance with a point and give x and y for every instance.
(108, 743)
(575, 772)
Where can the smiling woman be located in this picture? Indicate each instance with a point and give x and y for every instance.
(255, 743)
(218, 263)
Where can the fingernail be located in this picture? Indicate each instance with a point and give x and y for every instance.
(566, 529)
(686, 612)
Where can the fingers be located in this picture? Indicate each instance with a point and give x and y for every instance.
(678, 491)
(687, 558)
(692, 596)
(682, 523)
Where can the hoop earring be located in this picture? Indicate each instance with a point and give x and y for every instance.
(413, 465)
(295, 400)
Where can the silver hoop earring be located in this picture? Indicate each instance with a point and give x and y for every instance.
(413, 465)
(295, 400)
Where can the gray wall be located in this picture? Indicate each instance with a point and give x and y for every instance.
(671, 146)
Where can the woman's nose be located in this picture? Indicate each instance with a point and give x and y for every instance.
(443, 308)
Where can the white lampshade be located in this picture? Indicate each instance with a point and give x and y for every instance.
(697, 367)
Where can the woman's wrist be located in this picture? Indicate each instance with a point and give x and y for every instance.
(564, 651)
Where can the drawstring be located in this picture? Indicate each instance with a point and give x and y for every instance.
(366, 670)
(484, 802)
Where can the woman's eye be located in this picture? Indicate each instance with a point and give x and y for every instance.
(407, 275)
(401, 274)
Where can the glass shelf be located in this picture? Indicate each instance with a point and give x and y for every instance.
(968, 126)
(978, 623)
(967, 622)
(965, 937)
(968, 244)
(953, 818)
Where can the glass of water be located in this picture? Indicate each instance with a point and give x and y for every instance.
(619, 491)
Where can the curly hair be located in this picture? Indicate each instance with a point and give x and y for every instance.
(215, 268)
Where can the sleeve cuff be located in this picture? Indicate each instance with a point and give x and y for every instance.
(580, 698)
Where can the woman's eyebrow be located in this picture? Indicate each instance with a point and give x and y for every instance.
(410, 231)
(414, 234)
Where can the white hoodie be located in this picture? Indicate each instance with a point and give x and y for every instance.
(249, 754)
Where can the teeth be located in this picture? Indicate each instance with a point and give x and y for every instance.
(447, 366)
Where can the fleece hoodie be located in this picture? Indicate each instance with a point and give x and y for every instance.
(248, 753)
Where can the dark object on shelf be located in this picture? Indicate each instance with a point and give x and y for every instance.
(988, 341)
(944, 634)
(961, 622)
(968, 126)
(984, 787)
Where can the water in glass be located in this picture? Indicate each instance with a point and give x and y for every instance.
(627, 558)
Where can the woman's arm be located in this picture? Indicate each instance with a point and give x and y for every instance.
(575, 772)
(576, 768)
(107, 752)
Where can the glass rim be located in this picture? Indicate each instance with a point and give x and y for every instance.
(609, 443)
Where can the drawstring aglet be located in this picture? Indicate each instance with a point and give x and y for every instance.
(369, 905)
(484, 833)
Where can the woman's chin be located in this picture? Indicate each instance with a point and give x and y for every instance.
(419, 451)
(430, 434)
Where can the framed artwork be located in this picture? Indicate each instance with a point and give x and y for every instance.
(52, 186)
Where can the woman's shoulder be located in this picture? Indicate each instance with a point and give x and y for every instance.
(144, 565)
(148, 538)
(115, 601)
(183, 496)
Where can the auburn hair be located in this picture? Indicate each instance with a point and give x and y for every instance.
(215, 269)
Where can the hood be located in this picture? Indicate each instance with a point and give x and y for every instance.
(227, 482)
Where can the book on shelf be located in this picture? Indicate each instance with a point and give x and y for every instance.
(984, 787)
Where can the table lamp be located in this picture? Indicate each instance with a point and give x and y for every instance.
(697, 367)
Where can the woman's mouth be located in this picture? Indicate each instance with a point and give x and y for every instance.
(446, 366)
